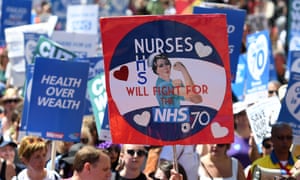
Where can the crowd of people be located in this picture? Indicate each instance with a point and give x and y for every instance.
(29, 157)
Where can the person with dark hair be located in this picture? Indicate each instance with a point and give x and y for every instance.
(113, 150)
(92, 164)
(171, 92)
(281, 157)
(7, 155)
(132, 158)
(164, 171)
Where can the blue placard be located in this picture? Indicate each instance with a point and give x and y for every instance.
(290, 110)
(27, 92)
(238, 86)
(258, 65)
(57, 99)
(235, 23)
(15, 13)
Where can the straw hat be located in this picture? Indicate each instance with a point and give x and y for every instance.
(11, 94)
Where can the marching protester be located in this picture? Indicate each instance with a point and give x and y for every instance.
(217, 164)
(132, 158)
(32, 152)
(166, 171)
(280, 158)
(92, 164)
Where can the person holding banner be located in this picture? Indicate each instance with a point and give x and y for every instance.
(171, 92)
(32, 151)
(166, 171)
(132, 157)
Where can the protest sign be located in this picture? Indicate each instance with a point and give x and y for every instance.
(83, 45)
(82, 19)
(293, 33)
(187, 106)
(290, 111)
(50, 49)
(239, 84)
(30, 43)
(235, 25)
(262, 115)
(27, 93)
(98, 98)
(258, 62)
(14, 37)
(14, 13)
(57, 99)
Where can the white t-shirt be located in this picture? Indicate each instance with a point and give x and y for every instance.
(51, 175)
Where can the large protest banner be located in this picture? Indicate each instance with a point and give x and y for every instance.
(57, 99)
(290, 111)
(151, 104)
(235, 25)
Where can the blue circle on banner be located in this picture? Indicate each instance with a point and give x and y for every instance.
(170, 37)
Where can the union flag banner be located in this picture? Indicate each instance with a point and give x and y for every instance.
(168, 79)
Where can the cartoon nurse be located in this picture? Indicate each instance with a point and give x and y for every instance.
(170, 92)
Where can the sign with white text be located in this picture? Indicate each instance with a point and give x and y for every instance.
(57, 99)
(167, 78)
(290, 111)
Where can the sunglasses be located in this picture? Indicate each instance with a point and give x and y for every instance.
(272, 92)
(139, 153)
(267, 145)
(11, 101)
(281, 138)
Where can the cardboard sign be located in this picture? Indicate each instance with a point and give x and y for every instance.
(57, 99)
(82, 19)
(290, 111)
(168, 79)
(262, 115)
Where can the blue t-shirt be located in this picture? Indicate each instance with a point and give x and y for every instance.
(165, 94)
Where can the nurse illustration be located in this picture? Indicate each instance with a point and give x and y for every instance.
(170, 92)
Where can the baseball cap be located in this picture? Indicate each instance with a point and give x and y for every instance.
(7, 141)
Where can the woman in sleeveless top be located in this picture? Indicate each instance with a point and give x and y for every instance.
(216, 165)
